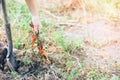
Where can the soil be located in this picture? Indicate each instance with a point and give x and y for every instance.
(102, 44)
(101, 51)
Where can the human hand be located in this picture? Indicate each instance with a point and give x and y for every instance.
(37, 24)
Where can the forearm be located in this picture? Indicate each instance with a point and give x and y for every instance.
(32, 5)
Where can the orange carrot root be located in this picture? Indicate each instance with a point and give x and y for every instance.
(43, 53)
(34, 38)
(33, 41)
(47, 60)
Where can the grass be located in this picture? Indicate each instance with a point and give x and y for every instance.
(67, 44)
(59, 38)
(108, 9)
(20, 18)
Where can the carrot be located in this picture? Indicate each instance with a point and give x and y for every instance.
(34, 38)
(43, 52)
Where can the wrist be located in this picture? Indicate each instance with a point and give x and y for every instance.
(35, 19)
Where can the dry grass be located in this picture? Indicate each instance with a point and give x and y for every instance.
(85, 9)
(66, 55)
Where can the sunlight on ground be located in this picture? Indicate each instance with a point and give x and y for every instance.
(81, 37)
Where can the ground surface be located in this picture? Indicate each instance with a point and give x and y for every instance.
(102, 42)
(81, 44)
(101, 52)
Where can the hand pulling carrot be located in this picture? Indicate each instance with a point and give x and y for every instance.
(39, 44)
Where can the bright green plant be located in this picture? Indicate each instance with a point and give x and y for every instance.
(13, 73)
(60, 39)
(68, 64)
(92, 75)
(26, 60)
(67, 44)
(114, 77)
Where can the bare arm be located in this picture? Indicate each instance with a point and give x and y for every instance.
(32, 5)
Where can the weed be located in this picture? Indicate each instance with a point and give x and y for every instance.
(95, 44)
(72, 74)
(13, 73)
(59, 38)
(18, 43)
(73, 45)
(81, 59)
(104, 78)
(75, 72)
(67, 44)
(68, 64)
(114, 77)
(26, 60)
(92, 75)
